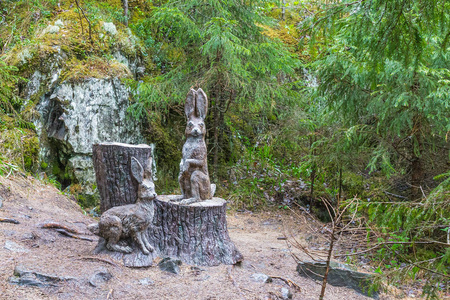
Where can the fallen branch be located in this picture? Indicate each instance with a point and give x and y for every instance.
(288, 282)
(105, 260)
(393, 243)
(7, 220)
(396, 196)
(55, 225)
(89, 22)
(66, 233)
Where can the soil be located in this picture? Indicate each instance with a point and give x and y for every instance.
(259, 237)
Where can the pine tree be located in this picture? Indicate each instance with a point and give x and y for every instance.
(384, 66)
(220, 46)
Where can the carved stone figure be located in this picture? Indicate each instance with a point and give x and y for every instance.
(131, 220)
(194, 177)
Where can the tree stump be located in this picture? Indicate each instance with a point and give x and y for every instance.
(112, 172)
(196, 233)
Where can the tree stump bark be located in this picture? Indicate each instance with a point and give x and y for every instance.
(196, 233)
(112, 172)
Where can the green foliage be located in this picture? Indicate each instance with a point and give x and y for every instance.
(382, 102)
(10, 103)
(386, 72)
(221, 47)
(413, 237)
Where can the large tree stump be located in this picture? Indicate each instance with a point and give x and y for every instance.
(196, 233)
(112, 172)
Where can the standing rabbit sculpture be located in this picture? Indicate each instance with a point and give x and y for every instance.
(131, 220)
(194, 177)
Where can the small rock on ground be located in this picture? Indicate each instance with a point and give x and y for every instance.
(286, 294)
(100, 276)
(171, 265)
(22, 276)
(260, 277)
(146, 281)
(14, 247)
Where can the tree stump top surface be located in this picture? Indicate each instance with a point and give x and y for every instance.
(214, 202)
(123, 145)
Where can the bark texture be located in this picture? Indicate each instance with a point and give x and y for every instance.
(197, 233)
(113, 173)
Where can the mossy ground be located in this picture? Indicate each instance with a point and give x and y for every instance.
(49, 36)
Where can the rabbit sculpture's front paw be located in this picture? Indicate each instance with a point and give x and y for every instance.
(188, 201)
(118, 248)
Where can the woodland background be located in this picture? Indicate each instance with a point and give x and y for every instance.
(311, 102)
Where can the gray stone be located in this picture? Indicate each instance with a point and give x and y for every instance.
(1, 202)
(100, 277)
(171, 265)
(77, 115)
(110, 28)
(146, 281)
(22, 276)
(14, 247)
(260, 277)
(286, 293)
(339, 275)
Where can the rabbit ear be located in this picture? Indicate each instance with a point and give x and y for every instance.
(189, 106)
(148, 168)
(201, 107)
(137, 170)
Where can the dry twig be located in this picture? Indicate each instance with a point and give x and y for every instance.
(8, 220)
(56, 225)
(289, 282)
(93, 258)
(66, 233)
(110, 294)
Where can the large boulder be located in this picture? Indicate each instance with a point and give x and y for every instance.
(339, 275)
(77, 115)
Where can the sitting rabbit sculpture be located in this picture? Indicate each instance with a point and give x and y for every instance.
(194, 178)
(131, 220)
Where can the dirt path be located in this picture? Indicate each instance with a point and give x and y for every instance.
(46, 251)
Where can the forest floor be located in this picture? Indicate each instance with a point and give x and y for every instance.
(259, 237)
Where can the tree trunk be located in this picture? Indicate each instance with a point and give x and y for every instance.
(113, 174)
(417, 172)
(125, 11)
(216, 138)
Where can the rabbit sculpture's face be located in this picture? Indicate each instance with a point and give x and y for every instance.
(146, 187)
(146, 190)
(195, 128)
